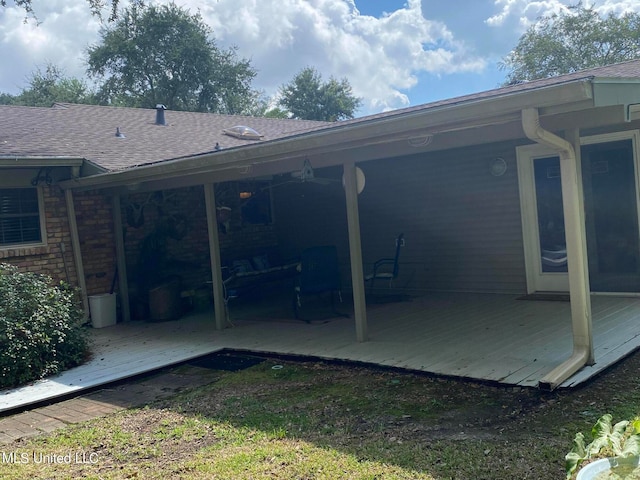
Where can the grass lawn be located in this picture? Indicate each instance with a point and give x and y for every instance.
(315, 420)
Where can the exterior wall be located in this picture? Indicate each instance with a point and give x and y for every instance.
(312, 214)
(97, 244)
(189, 255)
(48, 259)
(462, 225)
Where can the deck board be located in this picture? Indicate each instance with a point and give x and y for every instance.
(494, 338)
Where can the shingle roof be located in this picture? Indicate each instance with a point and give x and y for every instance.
(88, 131)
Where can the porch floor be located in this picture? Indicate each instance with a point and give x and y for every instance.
(485, 337)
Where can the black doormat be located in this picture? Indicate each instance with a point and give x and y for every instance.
(231, 362)
(546, 297)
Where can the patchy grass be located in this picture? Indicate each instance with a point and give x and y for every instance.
(315, 420)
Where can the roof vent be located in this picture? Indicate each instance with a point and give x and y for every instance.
(119, 134)
(160, 108)
(243, 132)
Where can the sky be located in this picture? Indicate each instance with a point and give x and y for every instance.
(394, 53)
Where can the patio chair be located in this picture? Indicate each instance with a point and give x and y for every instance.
(386, 268)
(319, 274)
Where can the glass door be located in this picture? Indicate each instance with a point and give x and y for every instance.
(609, 184)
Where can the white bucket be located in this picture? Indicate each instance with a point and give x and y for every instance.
(103, 310)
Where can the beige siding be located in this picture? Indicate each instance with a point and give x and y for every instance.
(462, 225)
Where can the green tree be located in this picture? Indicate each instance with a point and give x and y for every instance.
(263, 106)
(570, 41)
(48, 87)
(307, 97)
(163, 54)
(7, 99)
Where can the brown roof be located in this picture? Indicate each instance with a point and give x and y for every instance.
(89, 131)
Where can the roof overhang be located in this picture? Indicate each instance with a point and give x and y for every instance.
(625, 92)
(499, 109)
(39, 162)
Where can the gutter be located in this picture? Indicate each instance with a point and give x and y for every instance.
(24, 162)
(579, 290)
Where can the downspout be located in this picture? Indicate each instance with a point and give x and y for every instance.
(579, 290)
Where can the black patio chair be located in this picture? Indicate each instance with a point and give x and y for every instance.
(386, 268)
(319, 274)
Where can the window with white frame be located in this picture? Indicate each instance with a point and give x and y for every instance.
(20, 217)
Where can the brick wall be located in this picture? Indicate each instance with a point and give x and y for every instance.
(95, 229)
(48, 259)
(189, 255)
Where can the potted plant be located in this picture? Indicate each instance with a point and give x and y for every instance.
(617, 448)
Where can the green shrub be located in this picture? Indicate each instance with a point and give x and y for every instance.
(40, 327)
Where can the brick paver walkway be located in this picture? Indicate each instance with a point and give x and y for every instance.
(135, 393)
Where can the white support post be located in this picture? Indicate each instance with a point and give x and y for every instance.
(121, 261)
(355, 252)
(77, 253)
(220, 307)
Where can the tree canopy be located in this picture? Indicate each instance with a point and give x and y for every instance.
(164, 55)
(573, 40)
(308, 97)
(48, 87)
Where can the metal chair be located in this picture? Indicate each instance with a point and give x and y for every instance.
(386, 268)
(319, 273)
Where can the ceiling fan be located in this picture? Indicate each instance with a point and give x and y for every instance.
(307, 175)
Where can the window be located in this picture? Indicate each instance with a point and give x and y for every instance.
(19, 216)
(255, 202)
(244, 203)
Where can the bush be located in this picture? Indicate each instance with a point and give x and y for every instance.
(40, 327)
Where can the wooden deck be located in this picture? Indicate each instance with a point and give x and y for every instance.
(494, 338)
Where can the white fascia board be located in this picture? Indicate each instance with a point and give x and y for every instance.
(35, 162)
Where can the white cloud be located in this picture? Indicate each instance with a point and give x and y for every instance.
(61, 37)
(525, 12)
(415, 51)
(381, 57)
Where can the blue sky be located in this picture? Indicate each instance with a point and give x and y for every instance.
(395, 53)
